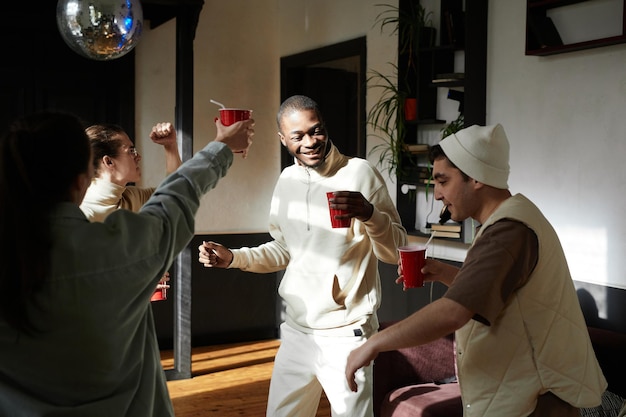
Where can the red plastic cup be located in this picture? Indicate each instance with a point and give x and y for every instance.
(159, 294)
(337, 223)
(230, 116)
(412, 260)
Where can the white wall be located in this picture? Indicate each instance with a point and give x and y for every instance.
(565, 114)
(155, 95)
(236, 63)
(237, 51)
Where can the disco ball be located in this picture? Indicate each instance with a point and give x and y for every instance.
(100, 29)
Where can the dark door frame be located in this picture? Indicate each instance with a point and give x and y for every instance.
(187, 14)
(318, 57)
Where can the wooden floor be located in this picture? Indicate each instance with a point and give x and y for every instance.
(227, 380)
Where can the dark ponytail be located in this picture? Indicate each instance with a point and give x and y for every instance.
(40, 158)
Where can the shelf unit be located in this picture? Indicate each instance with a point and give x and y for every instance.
(463, 27)
(548, 20)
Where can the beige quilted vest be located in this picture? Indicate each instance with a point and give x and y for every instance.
(538, 343)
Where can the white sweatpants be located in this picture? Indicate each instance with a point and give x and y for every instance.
(305, 364)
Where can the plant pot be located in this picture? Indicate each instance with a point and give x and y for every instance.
(410, 109)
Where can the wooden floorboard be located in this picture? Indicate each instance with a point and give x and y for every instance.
(227, 381)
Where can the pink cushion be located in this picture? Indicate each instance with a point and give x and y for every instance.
(424, 400)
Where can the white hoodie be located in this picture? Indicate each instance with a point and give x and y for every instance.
(331, 284)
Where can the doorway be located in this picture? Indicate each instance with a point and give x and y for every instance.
(335, 77)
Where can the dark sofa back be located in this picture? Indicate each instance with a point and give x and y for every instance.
(426, 363)
(610, 348)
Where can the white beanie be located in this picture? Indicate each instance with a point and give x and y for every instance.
(481, 152)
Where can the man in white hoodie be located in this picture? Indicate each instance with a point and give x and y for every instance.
(331, 286)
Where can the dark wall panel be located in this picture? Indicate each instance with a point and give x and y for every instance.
(603, 307)
(39, 71)
(227, 305)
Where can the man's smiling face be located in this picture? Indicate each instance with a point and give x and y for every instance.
(304, 136)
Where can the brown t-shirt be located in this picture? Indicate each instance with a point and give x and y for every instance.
(499, 262)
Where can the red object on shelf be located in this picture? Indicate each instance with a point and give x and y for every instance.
(410, 109)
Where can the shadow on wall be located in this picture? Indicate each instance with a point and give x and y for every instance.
(615, 306)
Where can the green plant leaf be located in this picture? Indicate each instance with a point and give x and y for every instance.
(386, 116)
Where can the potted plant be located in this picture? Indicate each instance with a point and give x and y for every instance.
(413, 25)
(386, 117)
(397, 104)
(454, 126)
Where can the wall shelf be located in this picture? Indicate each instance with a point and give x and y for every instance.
(463, 28)
(426, 122)
(447, 83)
(559, 26)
